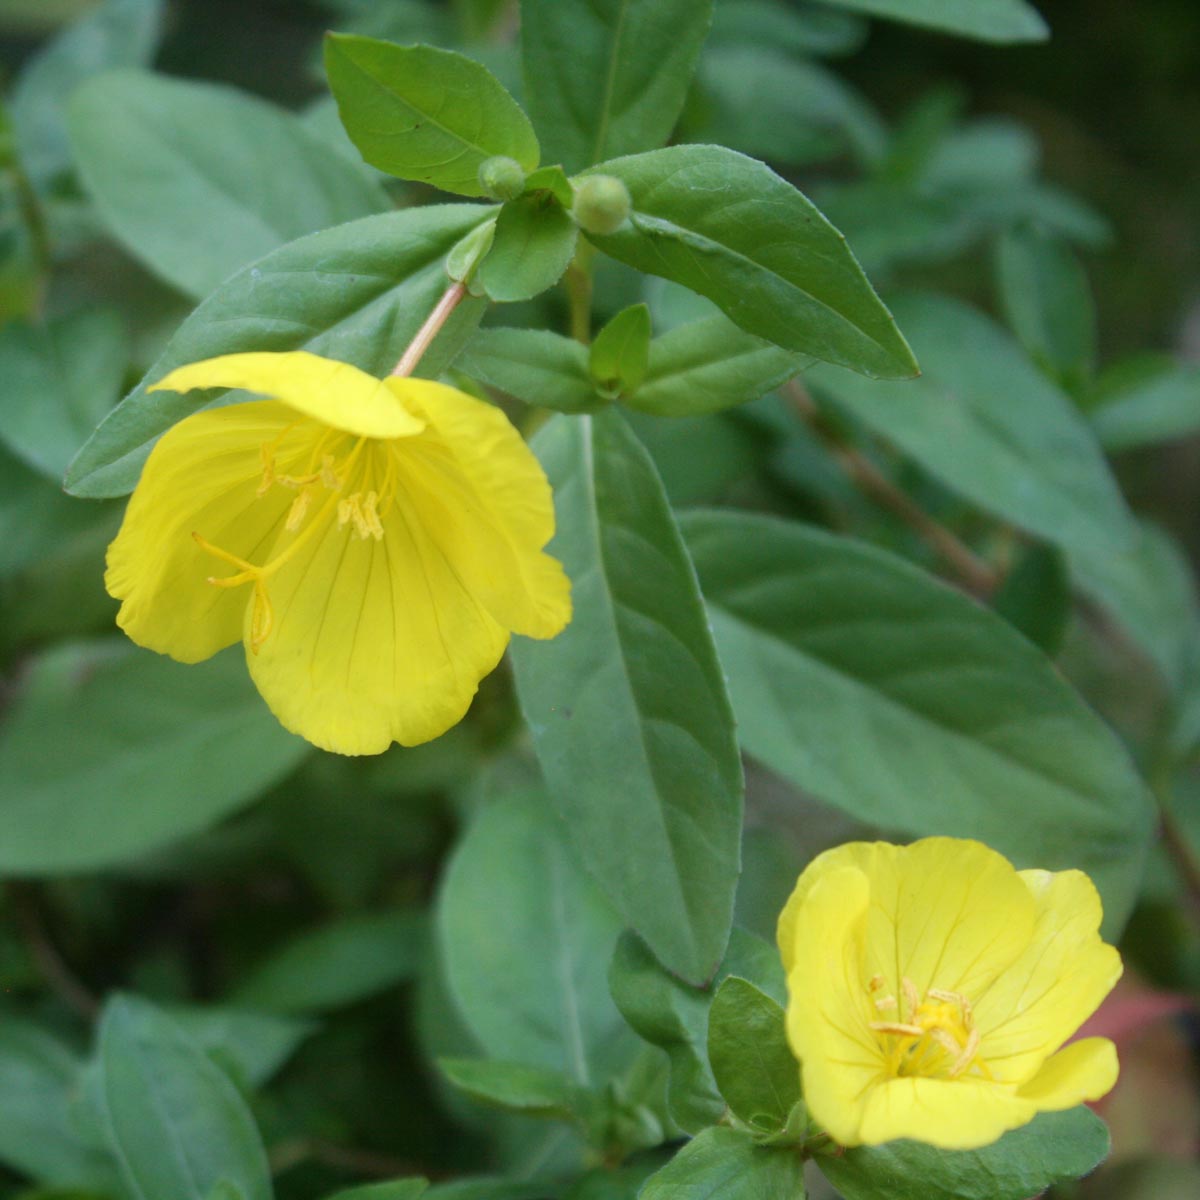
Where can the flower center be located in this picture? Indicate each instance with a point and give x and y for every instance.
(932, 1036)
(354, 475)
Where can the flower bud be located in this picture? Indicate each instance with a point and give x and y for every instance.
(501, 178)
(602, 204)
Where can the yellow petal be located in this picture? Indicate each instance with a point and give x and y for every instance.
(827, 1017)
(1045, 995)
(1083, 1071)
(371, 641)
(334, 393)
(487, 504)
(201, 477)
(953, 1114)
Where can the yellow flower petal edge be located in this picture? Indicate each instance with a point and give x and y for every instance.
(931, 989)
(373, 543)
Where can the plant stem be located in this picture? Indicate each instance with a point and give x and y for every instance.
(578, 281)
(45, 953)
(424, 336)
(978, 576)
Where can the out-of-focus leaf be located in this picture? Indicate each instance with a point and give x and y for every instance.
(608, 77)
(1036, 596)
(389, 274)
(37, 1075)
(1048, 302)
(158, 750)
(620, 352)
(178, 1127)
(531, 1090)
(1149, 399)
(395, 1189)
(197, 180)
(525, 950)
(60, 378)
(627, 706)
(425, 114)
(764, 255)
(986, 422)
(116, 33)
(811, 29)
(253, 1045)
(337, 964)
(889, 695)
(1053, 1148)
(1005, 21)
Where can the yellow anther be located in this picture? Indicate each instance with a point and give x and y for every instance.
(329, 477)
(262, 617)
(296, 513)
(877, 981)
(898, 1027)
(911, 995)
(936, 1038)
(884, 1003)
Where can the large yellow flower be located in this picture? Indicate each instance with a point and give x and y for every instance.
(373, 542)
(931, 987)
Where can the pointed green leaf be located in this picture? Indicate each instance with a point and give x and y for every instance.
(763, 254)
(535, 365)
(357, 292)
(727, 1164)
(889, 695)
(673, 1015)
(627, 706)
(620, 352)
(990, 425)
(535, 239)
(393, 1189)
(177, 1125)
(531, 1090)
(197, 180)
(1149, 399)
(751, 1061)
(707, 365)
(1053, 1148)
(1004, 21)
(608, 77)
(429, 115)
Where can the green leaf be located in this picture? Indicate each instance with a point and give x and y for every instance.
(1035, 596)
(608, 77)
(769, 105)
(158, 751)
(987, 423)
(620, 353)
(531, 986)
(751, 1062)
(764, 255)
(252, 1046)
(1053, 1148)
(389, 275)
(673, 1015)
(60, 379)
(1047, 301)
(394, 1189)
(708, 365)
(627, 706)
(766, 24)
(899, 700)
(535, 365)
(1150, 399)
(37, 1076)
(338, 964)
(485, 1188)
(115, 33)
(535, 240)
(1004, 21)
(429, 115)
(727, 1164)
(197, 180)
(177, 1125)
(554, 181)
(530, 1090)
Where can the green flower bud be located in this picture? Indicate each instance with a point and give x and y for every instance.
(602, 204)
(501, 178)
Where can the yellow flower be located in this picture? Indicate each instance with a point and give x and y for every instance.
(372, 542)
(931, 987)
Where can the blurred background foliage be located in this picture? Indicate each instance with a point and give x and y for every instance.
(162, 836)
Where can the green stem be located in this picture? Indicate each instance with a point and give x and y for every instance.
(579, 293)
